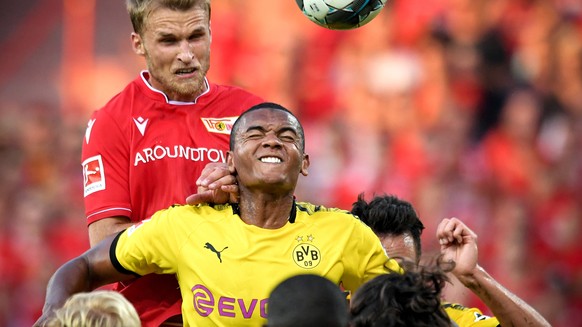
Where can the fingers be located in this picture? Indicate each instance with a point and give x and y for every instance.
(226, 193)
(232, 188)
(198, 198)
(214, 175)
(216, 184)
(454, 231)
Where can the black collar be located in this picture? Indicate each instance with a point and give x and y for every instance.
(292, 214)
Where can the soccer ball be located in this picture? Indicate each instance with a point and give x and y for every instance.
(341, 14)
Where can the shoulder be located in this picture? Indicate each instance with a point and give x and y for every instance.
(118, 104)
(230, 88)
(312, 209)
(200, 209)
(235, 94)
(465, 317)
(202, 212)
(320, 214)
(181, 219)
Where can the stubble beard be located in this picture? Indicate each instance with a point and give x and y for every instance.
(190, 89)
(174, 89)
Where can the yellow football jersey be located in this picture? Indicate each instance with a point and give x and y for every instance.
(226, 269)
(469, 317)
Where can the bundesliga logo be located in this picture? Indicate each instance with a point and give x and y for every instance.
(93, 176)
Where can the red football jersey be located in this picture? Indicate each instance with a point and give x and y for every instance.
(142, 153)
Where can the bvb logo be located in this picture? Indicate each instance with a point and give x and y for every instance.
(306, 256)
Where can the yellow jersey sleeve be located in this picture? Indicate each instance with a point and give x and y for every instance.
(365, 244)
(151, 245)
(468, 317)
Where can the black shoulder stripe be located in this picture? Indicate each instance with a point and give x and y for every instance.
(114, 260)
(293, 213)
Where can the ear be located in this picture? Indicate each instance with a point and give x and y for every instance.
(305, 164)
(137, 44)
(230, 162)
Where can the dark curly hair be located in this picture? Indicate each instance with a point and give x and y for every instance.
(387, 214)
(412, 298)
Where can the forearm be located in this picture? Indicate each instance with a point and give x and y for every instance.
(73, 277)
(509, 309)
(82, 274)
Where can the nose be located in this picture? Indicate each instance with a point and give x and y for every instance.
(271, 140)
(186, 56)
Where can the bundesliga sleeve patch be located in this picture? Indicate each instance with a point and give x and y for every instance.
(219, 125)
(93, 176)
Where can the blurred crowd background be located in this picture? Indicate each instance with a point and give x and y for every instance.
(466, 108)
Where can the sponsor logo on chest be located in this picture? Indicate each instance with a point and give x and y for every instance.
(180, 151)
(207, 302)
(160, 152)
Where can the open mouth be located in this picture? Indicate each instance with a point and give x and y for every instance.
(271, 160)
(185, 71)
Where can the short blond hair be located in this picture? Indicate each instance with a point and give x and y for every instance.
(139, 9)
(96, 309)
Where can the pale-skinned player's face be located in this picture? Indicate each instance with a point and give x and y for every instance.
(176, 46)
(268, 152)
(399, 247)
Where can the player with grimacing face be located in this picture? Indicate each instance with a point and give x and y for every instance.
(176, 47)
(265, 238)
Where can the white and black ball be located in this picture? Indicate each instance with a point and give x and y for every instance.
(341, 14)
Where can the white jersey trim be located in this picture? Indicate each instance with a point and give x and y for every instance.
(179, 103)
(110, 209)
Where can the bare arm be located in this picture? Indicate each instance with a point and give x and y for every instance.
(103, 228)
(81, 274)
(459, 244)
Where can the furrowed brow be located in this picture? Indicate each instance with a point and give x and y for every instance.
(165, 35)
(255, 128)
(287, 129)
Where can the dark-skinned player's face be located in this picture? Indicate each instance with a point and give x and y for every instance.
(268, 151)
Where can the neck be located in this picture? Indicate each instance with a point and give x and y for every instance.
(175, 97)
(266, 210)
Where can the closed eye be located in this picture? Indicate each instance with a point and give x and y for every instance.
(167, 39)
(254, 136)
(196, 36)
(288, 136)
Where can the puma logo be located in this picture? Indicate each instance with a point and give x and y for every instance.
(211, 248)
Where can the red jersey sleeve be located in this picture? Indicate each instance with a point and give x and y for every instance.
(105, 157)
